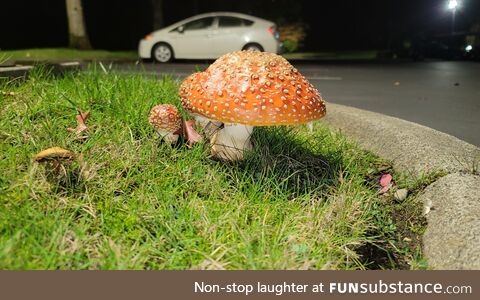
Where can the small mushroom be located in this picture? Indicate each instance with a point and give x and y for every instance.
(55, 157)
(245, 89)
(53, 154)
(167, 122)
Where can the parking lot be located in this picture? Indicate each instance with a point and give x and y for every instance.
(442, 95)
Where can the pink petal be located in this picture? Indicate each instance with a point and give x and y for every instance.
(385, 189)
(385, 183)
(190, 133)
(385, 180)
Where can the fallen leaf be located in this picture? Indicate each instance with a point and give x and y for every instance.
(81, 123)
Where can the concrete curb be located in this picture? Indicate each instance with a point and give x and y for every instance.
(452, 238)
(452, 203)
(21, 71)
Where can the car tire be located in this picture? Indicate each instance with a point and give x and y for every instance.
(253, 47)
(162, 53)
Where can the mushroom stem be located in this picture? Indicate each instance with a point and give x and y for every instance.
(168, 136)
(231, 142)
(209, 127)
(310, 126)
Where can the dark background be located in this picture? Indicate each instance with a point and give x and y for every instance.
(333, 25)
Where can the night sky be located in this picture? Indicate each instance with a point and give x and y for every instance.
(333, 25)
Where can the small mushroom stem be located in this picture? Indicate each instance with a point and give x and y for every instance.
(169, 137)
(231, 142)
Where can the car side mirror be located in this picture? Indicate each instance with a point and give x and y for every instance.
(181, 29)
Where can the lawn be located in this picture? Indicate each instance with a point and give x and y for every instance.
(65, 54)
(299, 200)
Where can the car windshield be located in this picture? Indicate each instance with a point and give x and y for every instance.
(199, 24)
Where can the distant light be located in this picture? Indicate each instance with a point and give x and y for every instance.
(453, 4)
(469, 48)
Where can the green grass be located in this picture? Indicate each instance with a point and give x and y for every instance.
(300, 200)
(3, 58)
(63, 54)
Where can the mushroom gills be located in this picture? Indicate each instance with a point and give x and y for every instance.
(231, 142)
(209, 127)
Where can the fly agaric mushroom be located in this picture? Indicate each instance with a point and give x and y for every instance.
(245, 89)
(167, 122)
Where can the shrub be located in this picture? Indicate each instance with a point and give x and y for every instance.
(290, 46)
(292, 35)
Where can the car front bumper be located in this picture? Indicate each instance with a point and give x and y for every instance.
(145, 49)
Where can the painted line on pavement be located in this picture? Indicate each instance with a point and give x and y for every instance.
(324, 78)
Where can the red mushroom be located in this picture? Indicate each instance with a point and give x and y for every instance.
(245, 89)
(167, 122)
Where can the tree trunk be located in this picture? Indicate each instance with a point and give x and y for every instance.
(78, 37)
(157, 6)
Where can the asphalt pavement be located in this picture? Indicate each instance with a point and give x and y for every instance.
(443, 95)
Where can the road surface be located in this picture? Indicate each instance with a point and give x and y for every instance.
(441, 95)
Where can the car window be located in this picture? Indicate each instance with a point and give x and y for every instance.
(229, 22)
(202, 23)
(247, 22)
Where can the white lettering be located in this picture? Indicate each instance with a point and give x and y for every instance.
(206, 288)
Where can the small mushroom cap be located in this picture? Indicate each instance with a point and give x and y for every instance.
(54, 153)
(165, 117)
(252, 88)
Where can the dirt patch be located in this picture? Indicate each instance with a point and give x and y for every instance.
(401, 230)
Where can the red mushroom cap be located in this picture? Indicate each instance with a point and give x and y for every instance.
(165, 117)
(252, 88)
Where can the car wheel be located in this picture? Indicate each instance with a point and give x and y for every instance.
(162, 53)
(253, 47)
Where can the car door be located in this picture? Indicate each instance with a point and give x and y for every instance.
(191, 40)
(227, 35)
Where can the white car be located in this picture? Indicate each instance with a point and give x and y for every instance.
(209, 36)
